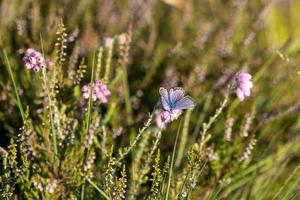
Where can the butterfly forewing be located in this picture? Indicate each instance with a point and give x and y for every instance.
(184, 103)
(164, 98)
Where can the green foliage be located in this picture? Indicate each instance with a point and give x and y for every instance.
(120, 188)
(156, 178)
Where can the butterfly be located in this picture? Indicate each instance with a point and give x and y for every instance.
(174, 99)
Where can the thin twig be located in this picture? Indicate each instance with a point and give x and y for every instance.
(141, 131)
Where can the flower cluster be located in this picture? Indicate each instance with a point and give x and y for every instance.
(34, 60)
(98, 91)
(242, 84)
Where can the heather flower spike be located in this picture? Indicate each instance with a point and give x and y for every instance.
(242, 85)
(34, 60)
(99, 91)
(172, 103)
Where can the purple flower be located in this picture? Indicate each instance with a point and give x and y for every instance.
(242, 85)
(98, 91)
(164, 117)
(34, 60)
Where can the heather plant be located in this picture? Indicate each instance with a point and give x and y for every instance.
(161, 99)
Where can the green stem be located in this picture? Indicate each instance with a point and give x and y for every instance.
(108, 63)
(172, 162)
(90, 101)
(184, 182)
(98, 189)
(286, 182)
(183, 137)
(82, 191)
(54, 140)
(103, 140)
(14, 85)
(99, 64)
(155, 145)
(86, 150)
(53, 131)
(212, 119)
(127, 98)
(136, 184)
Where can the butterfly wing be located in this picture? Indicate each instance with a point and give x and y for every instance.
(176, 94)
(164, 98)
(184, 103)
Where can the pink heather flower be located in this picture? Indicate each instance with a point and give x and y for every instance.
(164, 117)
(242, 85)
(34, 60)
(99, 91)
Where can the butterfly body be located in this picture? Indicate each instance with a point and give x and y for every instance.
(171, 104)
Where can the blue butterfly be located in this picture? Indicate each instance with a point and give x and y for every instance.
(174, 99)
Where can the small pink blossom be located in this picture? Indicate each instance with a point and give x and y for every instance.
(34, 60)
(98, 91)
(243, 85)
(164, 117)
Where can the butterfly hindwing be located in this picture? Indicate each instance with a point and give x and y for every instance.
(184, 103)
(175, 95)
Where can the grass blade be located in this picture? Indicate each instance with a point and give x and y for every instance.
(14, 85)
